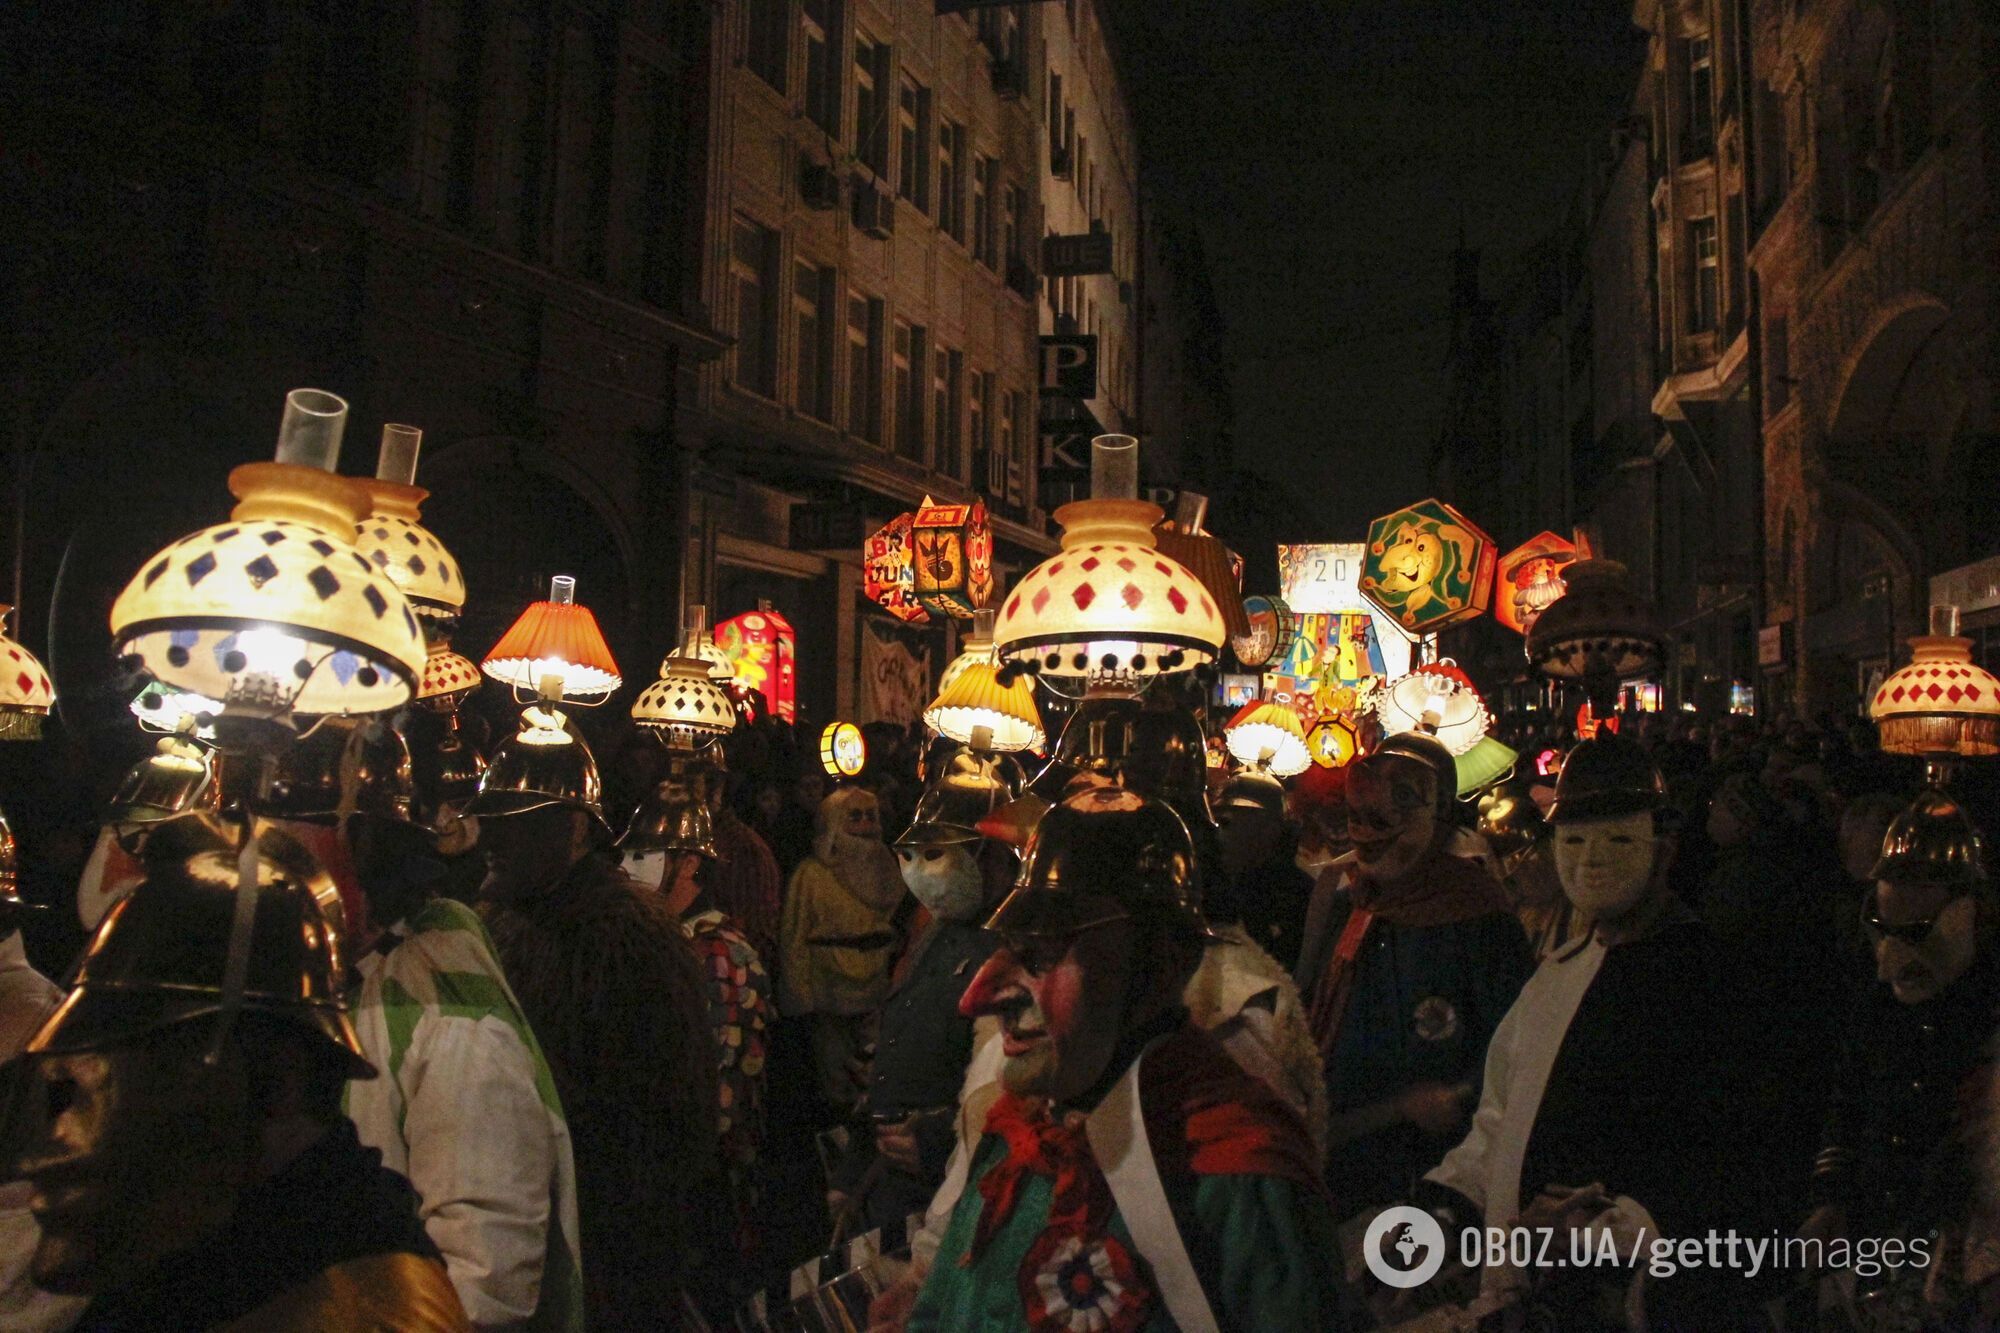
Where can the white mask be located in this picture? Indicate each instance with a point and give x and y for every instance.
(646, 868)
(1921, 971)
(1606, 865)
(944, 879)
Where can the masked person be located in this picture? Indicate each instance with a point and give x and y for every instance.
(1259, 882)
(671, 844)
(1910, 1099)
(1523, 841)
(1131, 1175)
(838, 937)
(1411, 957)
(197, 1172)
(27, 998)
(1613, 1087)
(613, 990)
(467, 1107)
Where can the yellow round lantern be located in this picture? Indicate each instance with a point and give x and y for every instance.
(842, 751)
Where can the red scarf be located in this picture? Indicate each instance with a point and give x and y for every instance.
(1038, 1146)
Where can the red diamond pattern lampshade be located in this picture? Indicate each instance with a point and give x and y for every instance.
(25, 692)
(1942, 703)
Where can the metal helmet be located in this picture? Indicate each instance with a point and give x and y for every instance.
(1932, 842)
(209, 842)
(161, 957)
(1509, 819)
(1251, 789)
(1605, 777)
(1429, 752)
(964, 789)
(1157, 752)
(545, 763)
(674, 817)
(344, 765)
(176, 778)
(1103, 853)
(445, 767)
(12, 904)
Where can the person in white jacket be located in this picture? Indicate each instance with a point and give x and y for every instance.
(465, 1107)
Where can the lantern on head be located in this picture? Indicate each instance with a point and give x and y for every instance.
(951, 558)
(1597, 633)
(1438, 700)
(1943, 705)
(1331, 743)
(25, 693)
(1185, 541)
(685, 707)
(1268, 736)
(1269, 634)
(843, 752)
(1427, 566)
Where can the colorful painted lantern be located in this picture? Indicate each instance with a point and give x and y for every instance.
(1331, 743)
(761, 647)
(888, 575)
(1428, 566)
(842, 751)
(1530, 577)
(1270, 632)
(951, 554)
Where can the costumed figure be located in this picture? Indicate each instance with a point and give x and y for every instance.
(27, 998)
(615, 993)
(1911, 1148)
(743, 879)
(1259, 883)
(196, 1171)
(466, 1106)
(672, 840)
(1523, 843)
(838, 937)
(1411, 957)
(1131, 1175)
(925, 1044)
(1608, 1108)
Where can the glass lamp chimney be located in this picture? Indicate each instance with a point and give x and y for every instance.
(309, 435)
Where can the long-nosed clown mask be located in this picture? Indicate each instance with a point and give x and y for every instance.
(1392, 808)
(1606, 865)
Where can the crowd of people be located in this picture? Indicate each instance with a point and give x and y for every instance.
(1104, 1050)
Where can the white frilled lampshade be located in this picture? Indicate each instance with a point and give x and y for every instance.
(1438, 700)
(975, 698)
(1109, 611)
(1943, 703)
(1269, 736)
(555, 646)
(392, 540)
(276, 609)
(25, 693)
(687, 706)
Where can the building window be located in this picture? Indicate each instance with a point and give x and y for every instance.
(907, 361)
(1052, 116)
(1013, 445)
(766, 23)
(812, 331)
(985, 185)
(864, 368)
(1703, 311)
(1777, 352)
(1000, 30)
(871, 111)
(951, 180)
(1012, 212)
(979, 430)
(947, 395)
(1701, 100)
(913, 163)
(817, 25)
(752, 259)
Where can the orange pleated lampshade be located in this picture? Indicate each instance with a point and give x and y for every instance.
(557, 637)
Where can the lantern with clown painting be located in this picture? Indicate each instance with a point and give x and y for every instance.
(1428, 567)
(1530, 579)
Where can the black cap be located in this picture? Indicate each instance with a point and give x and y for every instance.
(1606, 777)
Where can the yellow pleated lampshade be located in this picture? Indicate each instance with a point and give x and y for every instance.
(1269, 734)
(976, 698)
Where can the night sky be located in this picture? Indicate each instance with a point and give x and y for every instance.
(1329, 151)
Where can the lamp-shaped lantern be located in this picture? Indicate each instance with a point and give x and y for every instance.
(1597, 634)
(556, 651)
(976, 647)
(25, 693)
(951, 557)
(1943, 705)
(685, 707)
(275, 612)
(1483, 766)
(1268, 736)
(1438, 700)
(1185, 541)
(972, 697)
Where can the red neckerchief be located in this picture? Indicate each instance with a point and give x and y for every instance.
(1336, 982)
(1038, 1146)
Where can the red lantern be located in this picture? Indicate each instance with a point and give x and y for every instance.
(1530, 578)
(887, 574)
(761, 647)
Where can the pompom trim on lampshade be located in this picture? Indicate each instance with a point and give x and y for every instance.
(976, 698)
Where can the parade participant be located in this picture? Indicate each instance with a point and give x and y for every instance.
(467, 1107)
(1131, 1176)
(925, 1043)
(27, 998)
(1317, 804)
(743, 879)
(674, 826)
(613, 990)
(837, 939)
(1411, 957)
(197, 1172)
(1511, 821)
(1258, 882)
(1606, 1086)
(1910, 1097)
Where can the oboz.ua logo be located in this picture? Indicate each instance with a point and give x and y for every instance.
(1403, 1246)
